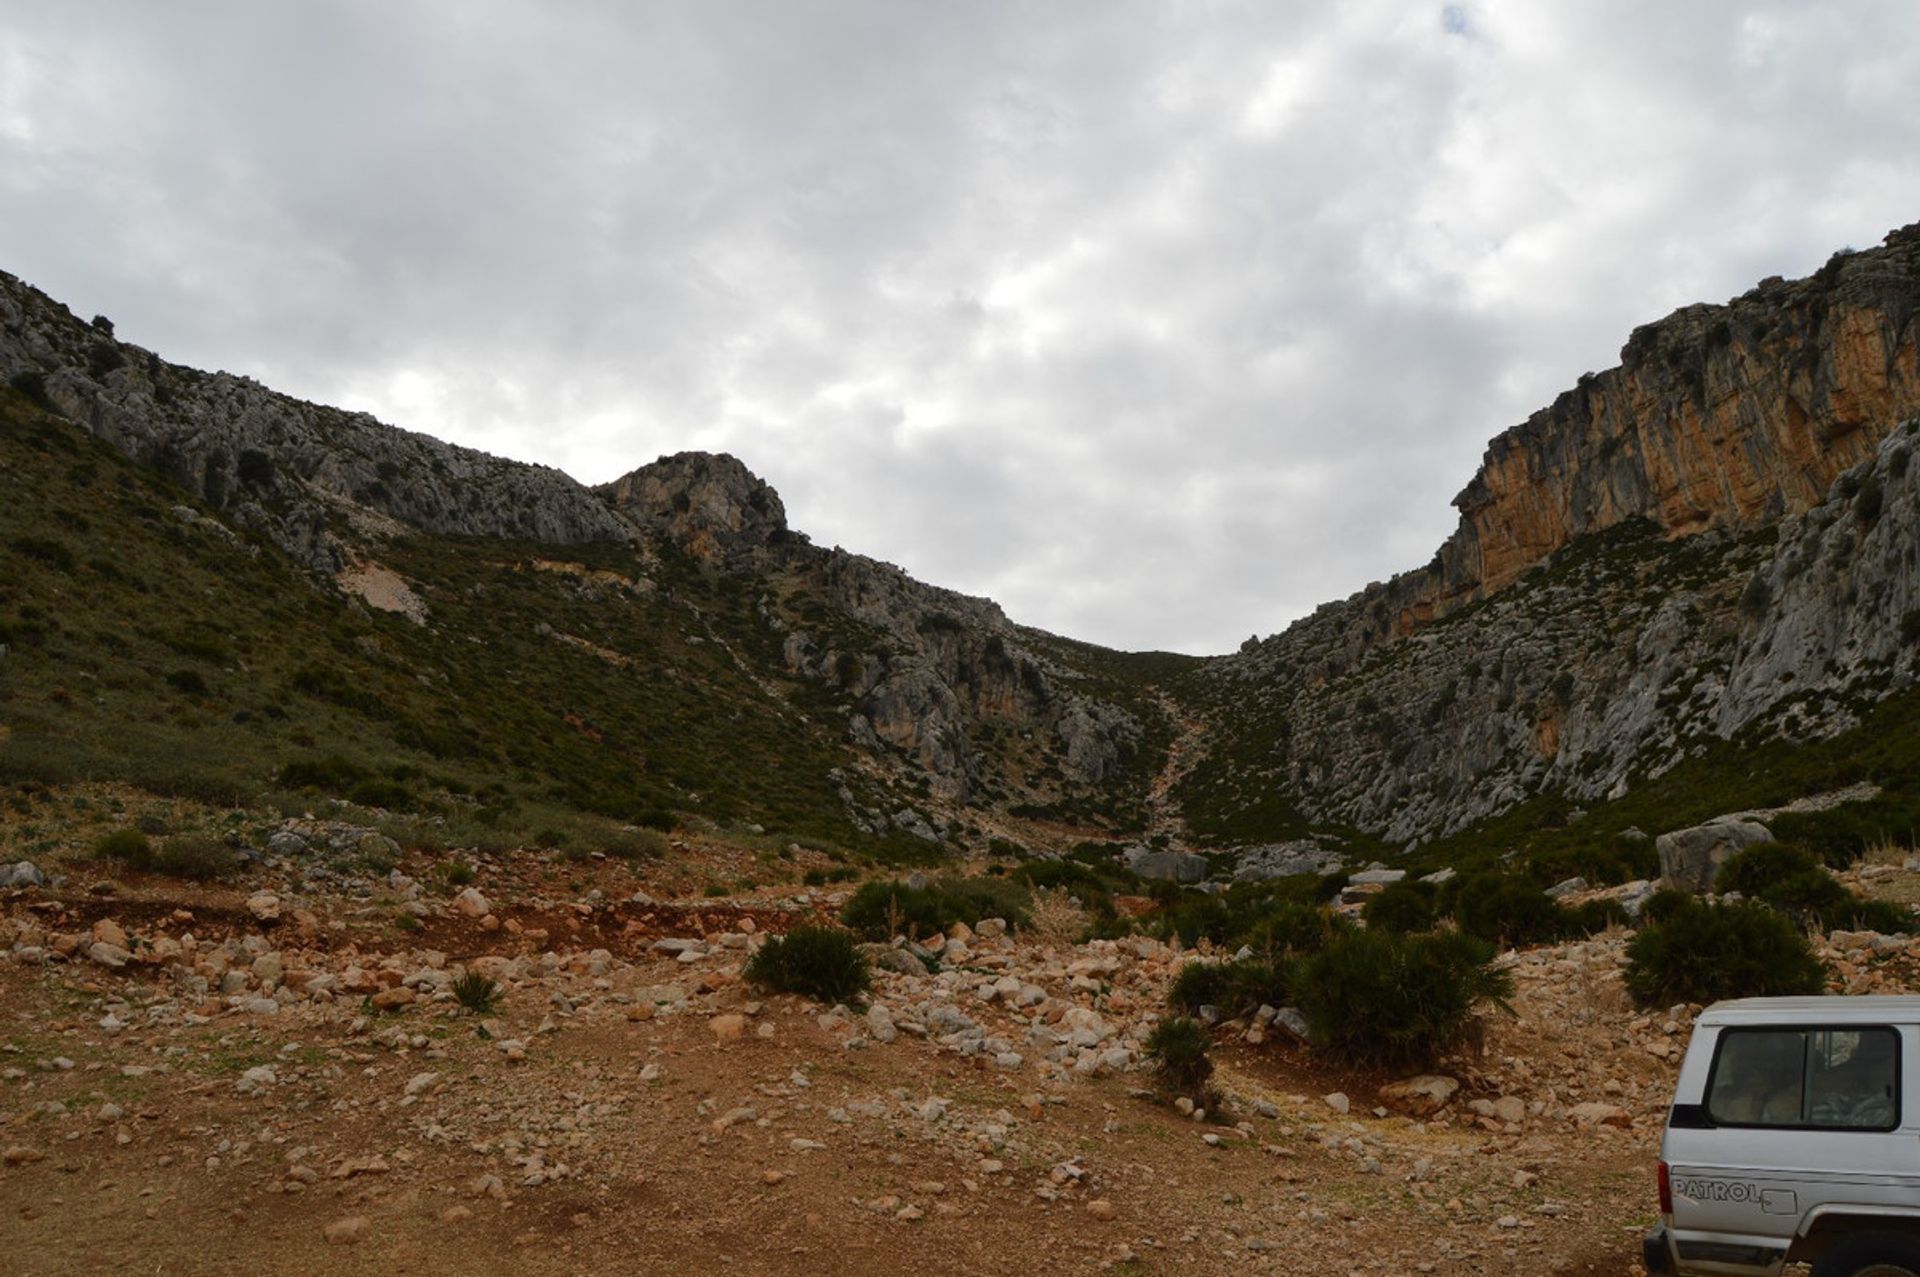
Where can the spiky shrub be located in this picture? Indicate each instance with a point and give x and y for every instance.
(1796, 882)
(1507, 909)
(1702, 953)
(1789, 878)
(1594, 916)
(1397, 1001)
(475, 992)
(1293, 927)
(1663, 904)
(1232, 988)
(880, 910)
(822, 963)
(1178, 1048)
(1405, 906)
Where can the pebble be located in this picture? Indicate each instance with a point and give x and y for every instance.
(347, 1231)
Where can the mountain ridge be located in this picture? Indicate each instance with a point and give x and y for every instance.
(1713, 457)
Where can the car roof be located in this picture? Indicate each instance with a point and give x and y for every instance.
(1870, 1009)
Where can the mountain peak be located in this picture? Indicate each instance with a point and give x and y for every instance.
(708, 503)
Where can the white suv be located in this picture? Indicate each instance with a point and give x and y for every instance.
(1792, 1140)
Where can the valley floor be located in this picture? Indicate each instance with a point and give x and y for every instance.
(631, 1105)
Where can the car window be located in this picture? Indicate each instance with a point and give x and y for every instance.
(1839, 1079)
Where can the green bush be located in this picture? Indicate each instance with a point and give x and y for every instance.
(1663, 904)
(381, 793)
(1178, 1048)
(333, 774)
(1856, 914)
(187, 682)
(878, 909)
(459, 874)
(1764, 867)
(1507, 909)
(1397, 1001)
(1702, 953)
(128, 846)
(1594, 916)
(1232, 988)
(1404, 906)
(822, 963)
(1291, 928)
(821, 877)
(1794, 881)
(644, 843)
(475, 992)
(196, 856)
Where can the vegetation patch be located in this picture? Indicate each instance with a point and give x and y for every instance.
(822, 963)
(1700, 952)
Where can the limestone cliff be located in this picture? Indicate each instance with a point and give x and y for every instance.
(1729, 416)
(292, 471)
(1713, 537)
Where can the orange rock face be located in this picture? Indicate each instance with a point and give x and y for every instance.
(1718, 416)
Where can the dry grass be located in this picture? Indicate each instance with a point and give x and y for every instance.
(1056, 918)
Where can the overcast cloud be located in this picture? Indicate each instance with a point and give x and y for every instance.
(1159, 323)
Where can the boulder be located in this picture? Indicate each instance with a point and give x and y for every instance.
(1689, 858)
(24, 874)
(1420, 1096)
(1172, 866)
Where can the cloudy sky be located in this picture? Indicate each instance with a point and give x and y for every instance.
(1159, 323)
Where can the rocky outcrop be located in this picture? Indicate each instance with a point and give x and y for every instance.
(1613, 662)
(1717, 417)
(287, 469)
(1690, 858)
(708, 504)
(1714, 537)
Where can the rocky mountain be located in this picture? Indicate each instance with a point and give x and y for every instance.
(1714, 538)
(943, 705)
(1710, 546)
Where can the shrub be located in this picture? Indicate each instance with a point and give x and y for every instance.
(1404, 906)
(381, 793)
(51, 553)
(637, 844)
(822, 963)
(128, 846)
(1787, 877)
(1178, 1048)
(334, 773)
(821, 877)
(196, 856)
(1703, 953)
(187, 682)
(1398, 1001)
(475, 992)
(459, 874)
(1595, 916)
(1232, 988)
(1507, 909)
(255, 468)
(1291, 927)
(1856, 914)
(879, 909)
(1663, 904)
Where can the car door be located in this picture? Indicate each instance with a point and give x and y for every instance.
(1792, 1119)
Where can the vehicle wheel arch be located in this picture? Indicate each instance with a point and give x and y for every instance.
(1847, 1232)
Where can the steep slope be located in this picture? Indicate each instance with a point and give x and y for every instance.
(1715, 538)
(936, 697)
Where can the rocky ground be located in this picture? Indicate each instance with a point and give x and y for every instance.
(278, 1078)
